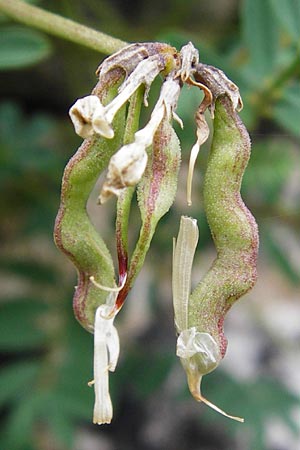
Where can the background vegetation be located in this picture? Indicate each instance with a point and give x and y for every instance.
(45, 401)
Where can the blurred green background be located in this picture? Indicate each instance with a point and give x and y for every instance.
(47, 357)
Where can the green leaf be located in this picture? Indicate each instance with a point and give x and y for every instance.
(16, 377)
(256, 401)
(30, 269)
(21, 47)
(287, 111)
(152, 369)
(20, 424)
(62, 427)
(288, 14)
(260, 35)
(264, 182)
(279, 254)
(20, 326)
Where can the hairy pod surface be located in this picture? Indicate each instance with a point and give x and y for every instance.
(74, 233)
(156, 192)
(233, 227)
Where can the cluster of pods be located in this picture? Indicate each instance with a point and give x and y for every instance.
(147, 161)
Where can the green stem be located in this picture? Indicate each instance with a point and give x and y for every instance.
(61, 27)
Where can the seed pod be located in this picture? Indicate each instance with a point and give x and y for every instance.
(156, 193)
(202, 344)
(100, 119)
(233, 228)
(74, 233)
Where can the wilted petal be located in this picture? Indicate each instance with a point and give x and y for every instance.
(145, 73)
(189, 57)
(106, 352)
(191, 342)
(183, 256)
(202, 136)
(82, 113)
(88, 117)
(126, 167)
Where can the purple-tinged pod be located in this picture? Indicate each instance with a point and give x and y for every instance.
(201, 343)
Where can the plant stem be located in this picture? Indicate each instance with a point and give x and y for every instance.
(61, 27)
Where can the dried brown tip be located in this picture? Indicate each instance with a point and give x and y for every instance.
(194, 383)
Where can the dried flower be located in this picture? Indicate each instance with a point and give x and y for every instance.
(106, 353)
(90, 117)
(87, 116)
(189, 58)
(127, 166)
(198, 351)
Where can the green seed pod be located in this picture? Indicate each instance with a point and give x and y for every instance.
(74, 233)
(156, 192)
(99, 118)
(233, 228)
(202, 344)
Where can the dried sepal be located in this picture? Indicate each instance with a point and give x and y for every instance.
(219, 84)
(130, 56)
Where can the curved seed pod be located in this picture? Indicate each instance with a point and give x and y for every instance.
(203, 344)
(74, 233)
(156, 193)
(233, 227)
(125, 197)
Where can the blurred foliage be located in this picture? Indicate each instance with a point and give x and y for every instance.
(47, 356)
(21, 47)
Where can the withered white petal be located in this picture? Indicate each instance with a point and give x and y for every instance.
(165, 106)
(113, 347)
(183, 256)
(169, 95)
(191, 342)
(103, 328)
(82, 113)
(189, 57)
(101, 125)
(88, 117)
(145, 72)
(144, 137)
(126, 168)
(202, 136)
